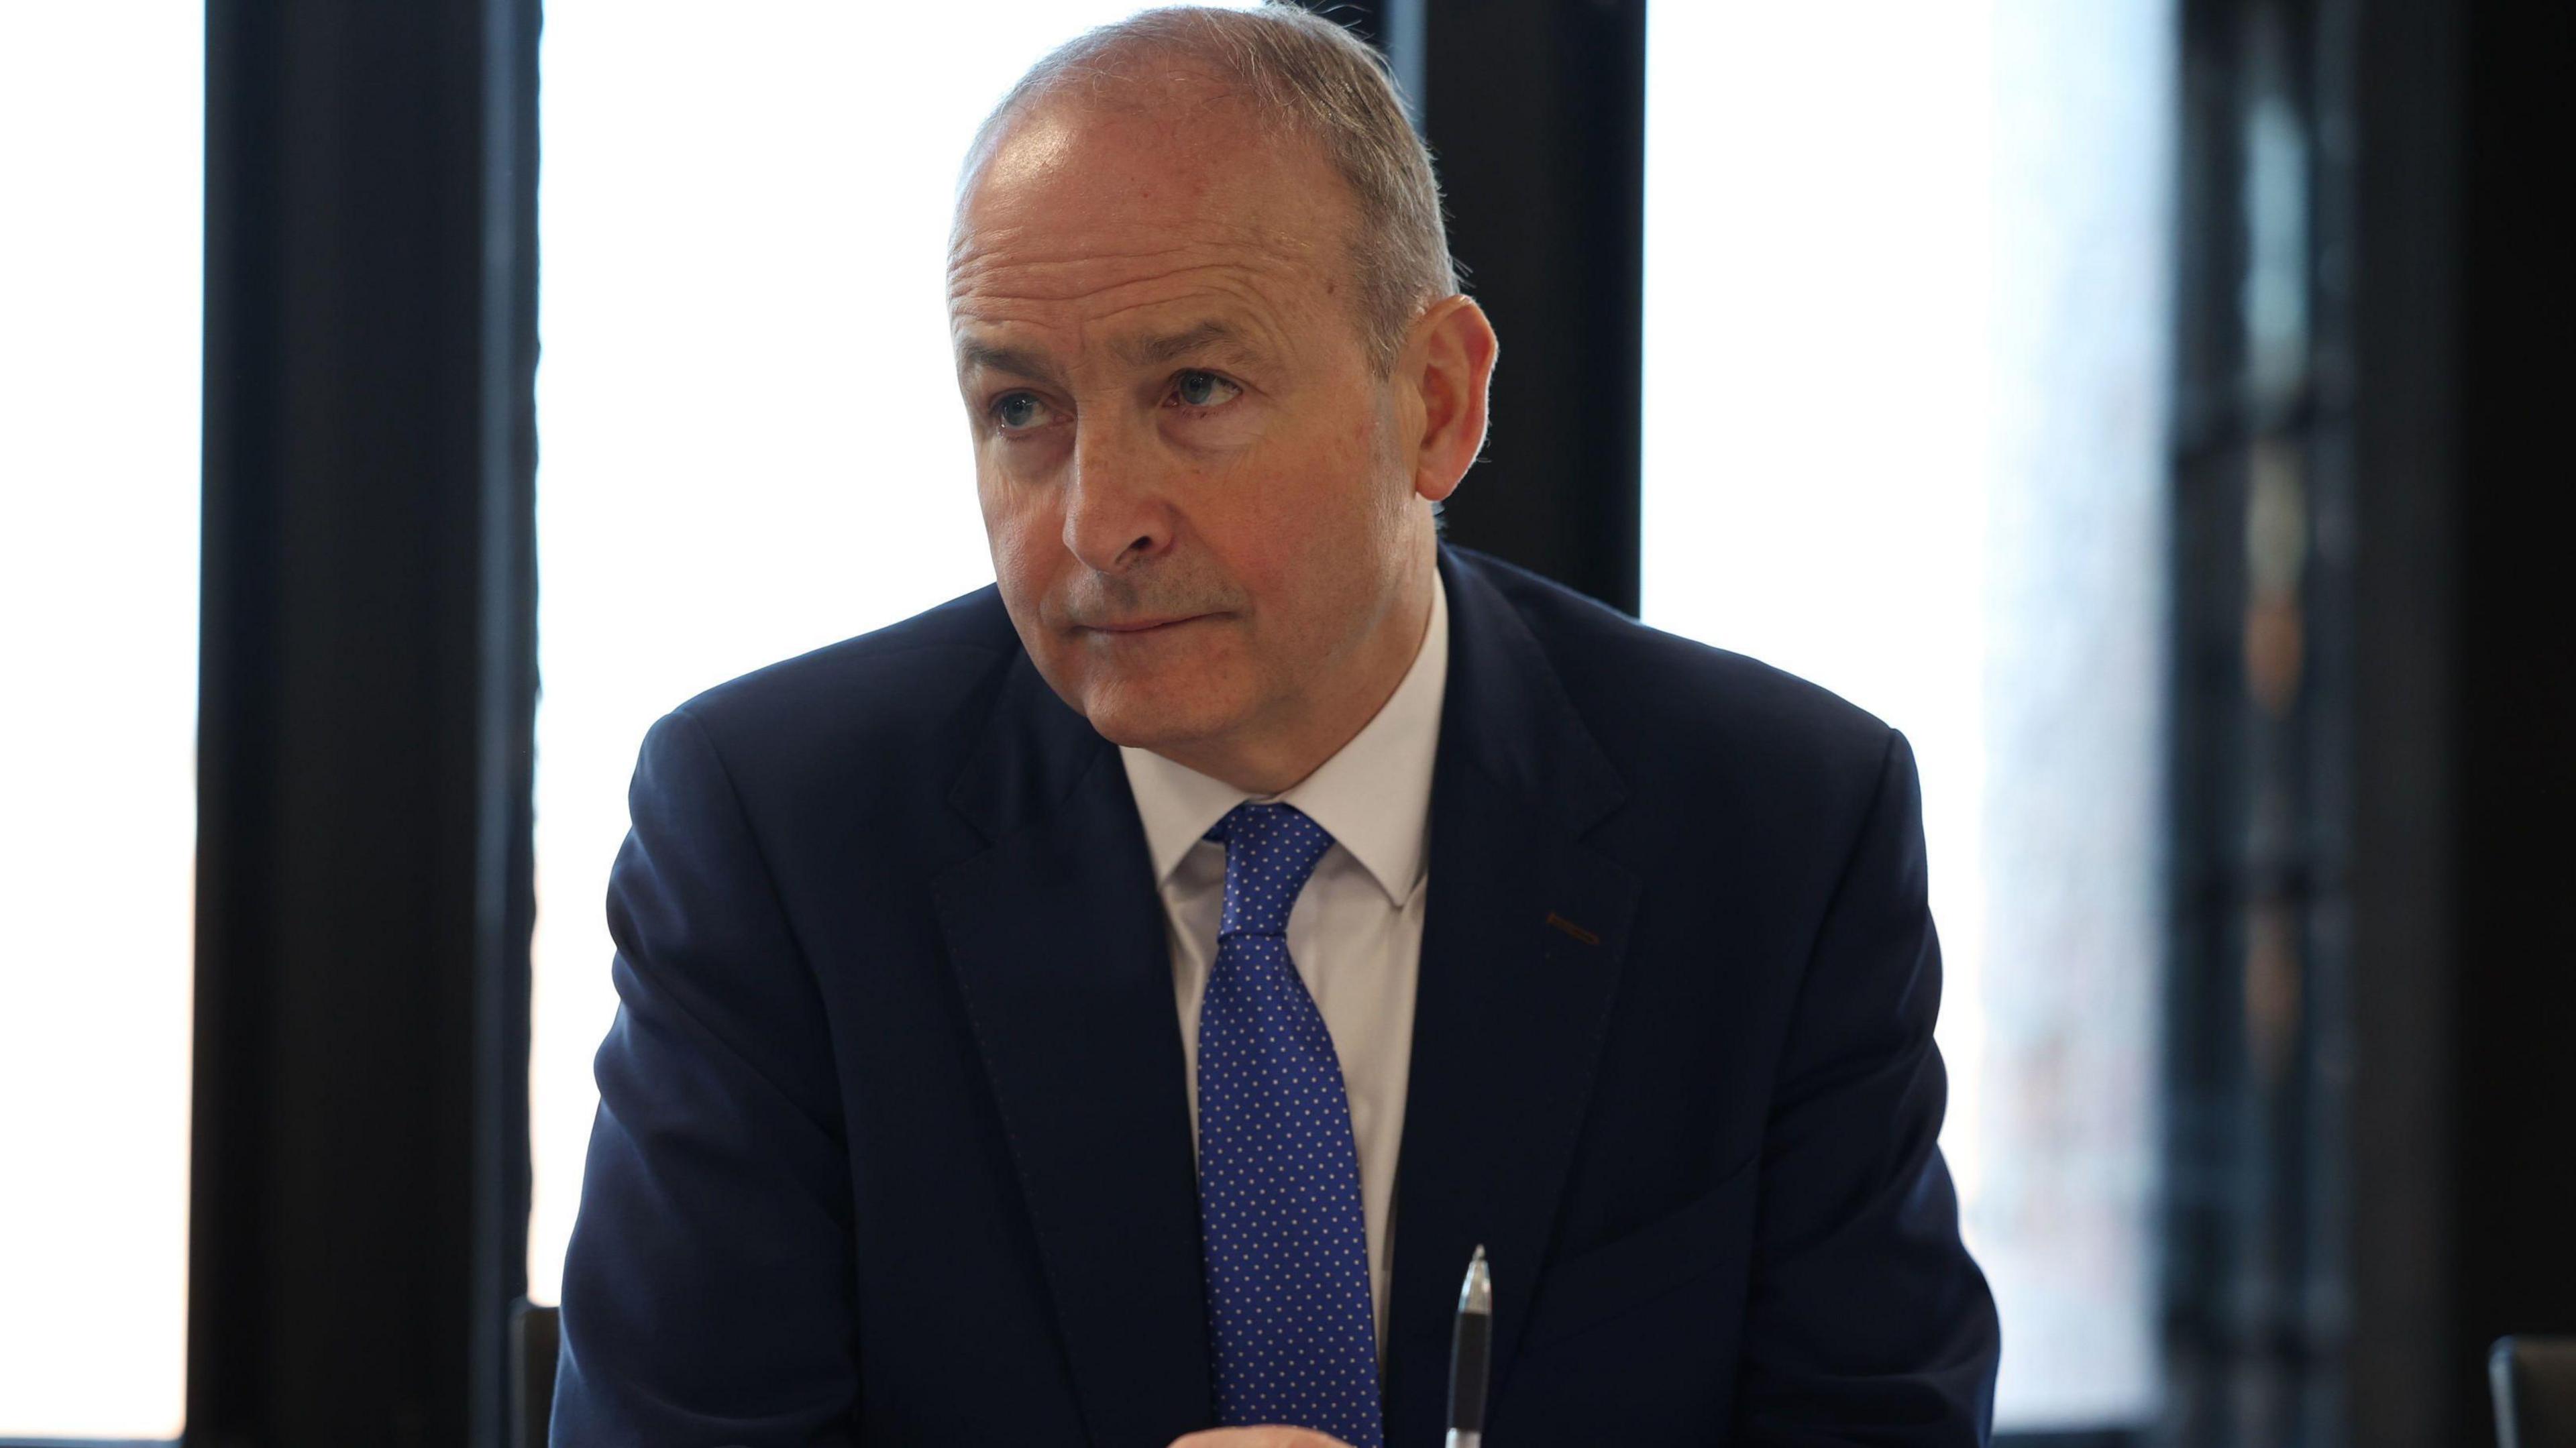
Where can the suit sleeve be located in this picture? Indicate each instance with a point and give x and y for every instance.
(1867, 1320)
(707, 1294)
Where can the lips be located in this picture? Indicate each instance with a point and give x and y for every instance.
(1143, 625)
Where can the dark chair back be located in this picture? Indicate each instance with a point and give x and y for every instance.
(2534, 1381)
(533, 1343)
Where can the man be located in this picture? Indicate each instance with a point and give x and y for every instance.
(1113, 1006)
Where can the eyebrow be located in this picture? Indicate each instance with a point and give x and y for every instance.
(1173, 346)
(974, 354)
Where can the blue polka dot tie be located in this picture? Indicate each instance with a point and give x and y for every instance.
(1279, 1176)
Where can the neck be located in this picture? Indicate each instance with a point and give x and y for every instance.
(1275, 759)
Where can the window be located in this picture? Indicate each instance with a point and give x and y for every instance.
(1905, 375)
(101, 157)
(752, 443)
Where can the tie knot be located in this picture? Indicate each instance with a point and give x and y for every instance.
(1270, 849)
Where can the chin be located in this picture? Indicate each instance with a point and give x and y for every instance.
(1155, 712)
(1142, 724)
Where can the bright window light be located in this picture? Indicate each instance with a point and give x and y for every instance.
(1904, 387)
(102, 141)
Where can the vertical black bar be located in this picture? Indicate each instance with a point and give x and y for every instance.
(1536, 113)
(360, 1179)
(2404, 267)
(505, 777)
(1536, 110)
(2464, 1068)
(2515, 1168)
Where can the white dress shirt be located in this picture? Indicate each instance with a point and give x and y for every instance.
(1355, 931)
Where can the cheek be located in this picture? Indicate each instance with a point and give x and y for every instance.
(1019, 524)
(1315, 536)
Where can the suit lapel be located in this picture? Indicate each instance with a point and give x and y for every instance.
(1056, 936)
(1526, 930)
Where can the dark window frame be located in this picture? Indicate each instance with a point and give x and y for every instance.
(359, 1193)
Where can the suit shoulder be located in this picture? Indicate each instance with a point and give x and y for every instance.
(1655, 699)
(907, 683)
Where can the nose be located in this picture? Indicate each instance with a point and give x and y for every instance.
(1117, 511)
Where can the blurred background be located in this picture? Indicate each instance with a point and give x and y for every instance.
(2147, 405)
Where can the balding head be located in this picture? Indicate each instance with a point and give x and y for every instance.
(1298, 80)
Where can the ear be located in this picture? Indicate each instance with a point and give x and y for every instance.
(1450, 359)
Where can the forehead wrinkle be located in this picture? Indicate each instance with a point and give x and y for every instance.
(969, 240)
(1067, 282)
(1214, 293)
(1071, 277)
(968, 254)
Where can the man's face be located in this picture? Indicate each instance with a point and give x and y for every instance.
(1182, 449)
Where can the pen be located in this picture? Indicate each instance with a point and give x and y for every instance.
(1470, 1355)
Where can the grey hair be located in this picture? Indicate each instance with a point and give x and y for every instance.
(1308, 77)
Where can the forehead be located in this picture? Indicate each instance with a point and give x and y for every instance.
(1081, 213)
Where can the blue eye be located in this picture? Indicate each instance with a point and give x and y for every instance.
(1018, 410)
(1204, 389)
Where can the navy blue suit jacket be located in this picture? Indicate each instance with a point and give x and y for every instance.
(893, 1147)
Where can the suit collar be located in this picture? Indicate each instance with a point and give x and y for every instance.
(1508, 714)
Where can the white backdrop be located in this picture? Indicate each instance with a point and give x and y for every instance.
(102, 141)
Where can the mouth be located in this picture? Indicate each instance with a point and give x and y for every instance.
(1125, 628)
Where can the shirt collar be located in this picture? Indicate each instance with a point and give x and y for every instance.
(1373, 796)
